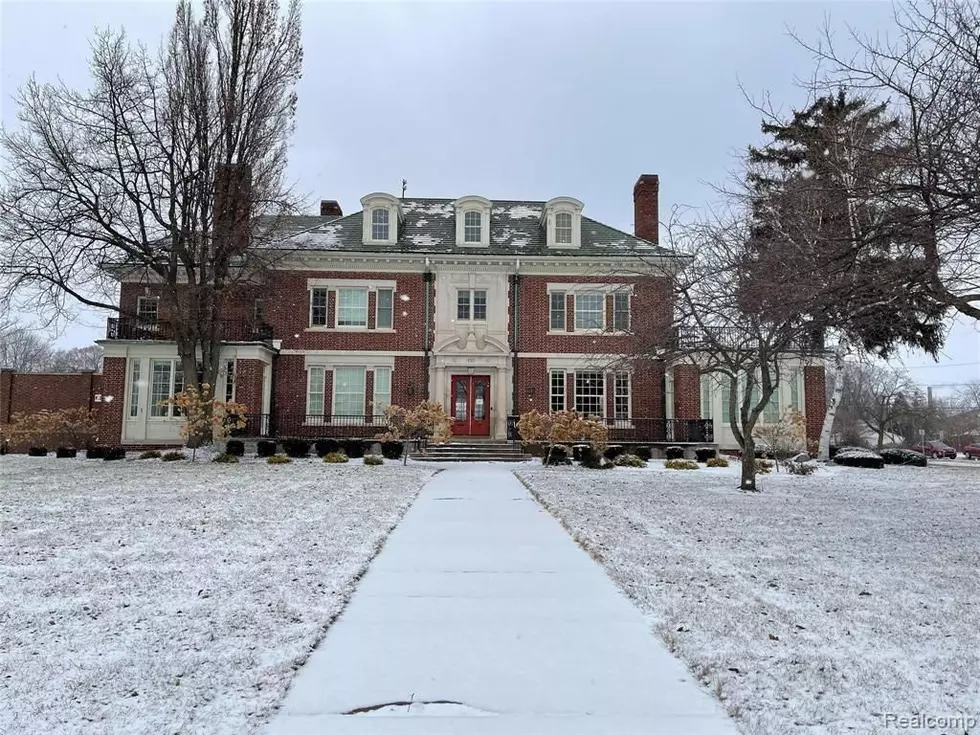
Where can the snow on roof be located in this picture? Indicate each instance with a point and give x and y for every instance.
(522, 211)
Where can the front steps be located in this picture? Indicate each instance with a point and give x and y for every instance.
(472, 451)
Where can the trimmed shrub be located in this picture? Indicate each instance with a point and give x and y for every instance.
(533, 449)
(559, 456)
(854, 457)
(353, 448)
(595, 460)
(336, 458)
(717, 462)
(265, 448)
(225, 458)
(296, 448)
(95, 453)
(37, 452)
(801, 468)
(644, 453)
(373, 460)
(681, 464)
(323, 447)
(66, 452)
(674, 452)
(278, 459)
(114, 453)
(613, 451)
(391, 450)
(174, 456)
(703, 454)
(235, 447)
(904, 457)
(629, 460)
(763, 466)
(152, 454)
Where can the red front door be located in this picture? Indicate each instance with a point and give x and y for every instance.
(470, 401)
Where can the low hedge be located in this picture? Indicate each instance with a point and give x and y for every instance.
(37, 452)
(336, 458)
(392, 450)
(717, 462)
(323, 447)
(559, 456)
(95, 453)
(613, 451)
(296, 448)
(66, 452)
(373, 460)
(629, 460)
(235, 447)
(278, 459)
(225, 458)
(353, 448)
(674, 452)
(114, 453)
(703, 454)
(904, 457)
(644, 453)
(174, 456)
(265, 448)
(593, 459)
(864, 458)
(681, 464)
(151, 454)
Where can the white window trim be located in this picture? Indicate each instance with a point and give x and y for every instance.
(573, 289)
(174, 361)
(629, 396)
(348, 418)
(470, 319)
(374, 388)
(309, 393)
(473, 203)
(334, 284)
(551, 389)
(604, 381)
(590, 330)
(336, 310)
(564, 311)
(377, 309)
(566, 205)
(380, 200)
(326, 306)
(141, 299)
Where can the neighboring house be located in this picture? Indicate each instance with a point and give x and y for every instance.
(490, 307)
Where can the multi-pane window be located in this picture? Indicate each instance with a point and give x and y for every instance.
(384, 318)
(794, 391)
(770, 414)
(557, 390)
(148, 309)
(258, 312)
(348, 391)
(706, 396)
(471, 305)
(563, 228)
(590, 393)
(230, 380)
(318, 307)
(726, 398)
(314, 391)
(166, 380)
(621, 311)
(134, 388)
(382, 390)
(352, 307)
(472, 227)
(380, 223)
(590, 311)
(557, 299)
(621, 396)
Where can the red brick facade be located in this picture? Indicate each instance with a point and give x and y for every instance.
(687, 392)
(33, 392)
(815, 397)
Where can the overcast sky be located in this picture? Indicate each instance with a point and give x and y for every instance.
(508, 100)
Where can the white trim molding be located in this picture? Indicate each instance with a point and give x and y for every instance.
(563, 205)
(481, 206)
(380, 200)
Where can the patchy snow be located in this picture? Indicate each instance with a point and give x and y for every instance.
(817, 606)
(158, 598)
(522, 211)
(511, 236)
(432, 209)
(323, 238)
(425, 241)
(422, 222)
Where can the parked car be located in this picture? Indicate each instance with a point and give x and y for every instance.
(935, 449)
(972, 451)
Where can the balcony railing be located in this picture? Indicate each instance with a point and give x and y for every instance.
(229, 330)
(653, 431)
(313, 426)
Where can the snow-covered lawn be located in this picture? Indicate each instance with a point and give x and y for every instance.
(821, 605)
(159, 598)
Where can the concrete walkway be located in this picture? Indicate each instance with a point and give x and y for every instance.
(482, 612)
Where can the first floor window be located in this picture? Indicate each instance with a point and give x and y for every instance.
(621, 396)
(471, 305)
(557, 299)
(590, 311)
(384, 317)
(148, 309)
(352, 307)
(770, 414)
(134, 389)
(230, 380)
(707, 396)
(318, 307)
(314, 391)
(794, 391)
(621, 311)
(166, 380)
(726, 398)
(590, 393)
(348, 391)
(382, 390)
(557, 390)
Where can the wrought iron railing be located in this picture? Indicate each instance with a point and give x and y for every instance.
(230, 330)
(653, 430)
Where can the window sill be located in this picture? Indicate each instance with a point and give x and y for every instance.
(589, 333)
(345, 422)
(351, 329)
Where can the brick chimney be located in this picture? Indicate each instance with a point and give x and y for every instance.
(330, 208)
(646, 207)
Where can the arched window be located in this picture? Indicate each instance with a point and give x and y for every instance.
(563, 228)
(379, 223)
(472, 226)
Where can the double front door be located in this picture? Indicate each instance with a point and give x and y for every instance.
(470, 400)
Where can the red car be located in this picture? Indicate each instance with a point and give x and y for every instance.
(972, 451)
(935, 449)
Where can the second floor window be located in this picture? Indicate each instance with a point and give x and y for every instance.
(621, 311)
(590, 311)
(148, 309)
(557, 299)
(318, 307)
(563, 228)
(379, 223)
(258, 312)
(471, 306)
(385, 310)
(472, 227)
(352, 307)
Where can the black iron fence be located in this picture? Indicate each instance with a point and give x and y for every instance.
(313, 426)
(654, 431)
(229, 330)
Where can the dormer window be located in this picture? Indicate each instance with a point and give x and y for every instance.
(562, 218)
(472, 227)
(382, 217)
(473, 221)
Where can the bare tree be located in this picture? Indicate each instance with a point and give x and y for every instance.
(878, 395)
(969, 396)
(157, 172)
(929, 72)
(23, 349)
(76, 360)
